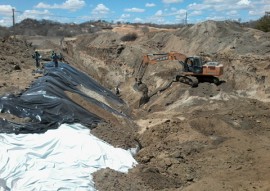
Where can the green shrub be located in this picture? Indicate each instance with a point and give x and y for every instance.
(263, 24)
(129, 37)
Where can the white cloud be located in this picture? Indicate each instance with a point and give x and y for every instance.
(213, 1)
(215, 18)
(232, 13)
(173, 9)
(181, 12)
(229, 9)
(2, 22)
(198, 7)
(171, 1)
(6, 21)
(256, 12)
(266, 7)
(150, 4)
(195, 13)
(71, 5)
(180, 15)
(138, 20)
(35, 14)
(125, 16)
(159, 13)
(221, 5)
(6, 10)
(100, 9)
(160, 20)
(134, 10)
(243, 2)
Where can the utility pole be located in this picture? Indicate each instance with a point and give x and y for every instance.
(13, 19)
(13, 16)
(186, 19)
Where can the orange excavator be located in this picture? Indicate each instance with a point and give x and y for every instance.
(194, 70)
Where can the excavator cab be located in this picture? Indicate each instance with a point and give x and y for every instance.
(194, 64)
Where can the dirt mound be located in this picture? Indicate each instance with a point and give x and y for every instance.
(214, 37)
(16, 64)
(242, 51)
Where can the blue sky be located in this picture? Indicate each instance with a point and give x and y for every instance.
(154, 11)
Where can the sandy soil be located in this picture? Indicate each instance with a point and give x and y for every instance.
(205, 138)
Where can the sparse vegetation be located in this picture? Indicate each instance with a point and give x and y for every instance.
(129, 37)
(4, 32)
(44, 27)
(263, 24)
(145, 29)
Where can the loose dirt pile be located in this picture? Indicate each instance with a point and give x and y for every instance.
(16, 67)
(15, 62)
(205, 138)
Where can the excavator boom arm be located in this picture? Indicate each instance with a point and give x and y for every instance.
(157, 58)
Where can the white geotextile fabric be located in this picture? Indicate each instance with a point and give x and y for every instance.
(60, 159)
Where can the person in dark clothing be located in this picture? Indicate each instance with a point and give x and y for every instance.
(55, 59)
(37, 57)
(117, 91)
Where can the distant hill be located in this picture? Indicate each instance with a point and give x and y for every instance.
(52, 28)
(44, 27)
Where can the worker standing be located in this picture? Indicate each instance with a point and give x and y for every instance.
(37, 57)
(55, 59)
(117, 90)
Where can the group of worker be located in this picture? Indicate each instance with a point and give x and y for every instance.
(54, 58)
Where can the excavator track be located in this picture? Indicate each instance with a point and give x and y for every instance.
(216, 81)
(190, 80)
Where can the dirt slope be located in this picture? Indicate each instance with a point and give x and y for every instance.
(16, 64)
(214, 37)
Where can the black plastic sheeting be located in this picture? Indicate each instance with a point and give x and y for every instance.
(47, 105)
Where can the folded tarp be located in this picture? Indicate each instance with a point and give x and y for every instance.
(47, 106)
(59, 159)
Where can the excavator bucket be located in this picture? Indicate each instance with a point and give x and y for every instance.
(143, 90)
